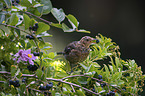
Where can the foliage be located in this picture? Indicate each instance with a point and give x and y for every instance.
(102, 73)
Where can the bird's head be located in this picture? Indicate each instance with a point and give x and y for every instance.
(87, 40)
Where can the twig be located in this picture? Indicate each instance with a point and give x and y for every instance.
(60, 80)
(73, 88)
(37, 90)
(15, 28)
(38, 17)
(2, 81)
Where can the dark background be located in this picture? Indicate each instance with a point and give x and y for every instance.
(121, 20)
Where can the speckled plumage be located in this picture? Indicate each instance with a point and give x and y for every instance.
(78, 51)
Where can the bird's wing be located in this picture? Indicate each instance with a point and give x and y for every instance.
(69, 47)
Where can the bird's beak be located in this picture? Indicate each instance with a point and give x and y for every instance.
(94, 40)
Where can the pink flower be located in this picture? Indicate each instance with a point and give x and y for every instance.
(25, 55)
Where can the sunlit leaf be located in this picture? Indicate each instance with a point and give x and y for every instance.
(39, 73)
(42, 27)
(26, 21)
(13, 19)
(66, 28)
(47, 6)
(82, 30)
(58, 14)
(2, 16)
(8, 3)
(72, 19)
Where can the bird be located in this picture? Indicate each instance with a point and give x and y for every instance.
(77, 51)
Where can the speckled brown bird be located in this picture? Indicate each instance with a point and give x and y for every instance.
(77, 51)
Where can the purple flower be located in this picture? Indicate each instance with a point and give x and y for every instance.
(25, 55)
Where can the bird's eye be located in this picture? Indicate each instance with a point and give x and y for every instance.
(87, 39)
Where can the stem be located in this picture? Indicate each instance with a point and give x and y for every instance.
(38, 51)
(15, 28)
(61, 80)
(73, 88)
(38, 17)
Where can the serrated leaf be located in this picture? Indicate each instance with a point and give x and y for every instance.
(82, 30)
(66, 28)
(72, 19)
(26, 21)
(42, 27)
(39, 73)
(58, 14)
(13, 19)
(47, 6)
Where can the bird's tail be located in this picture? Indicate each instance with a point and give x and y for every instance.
(60, 53)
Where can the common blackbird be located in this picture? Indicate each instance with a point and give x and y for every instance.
(77, 51)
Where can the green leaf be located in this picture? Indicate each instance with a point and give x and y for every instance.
(42, 27)
(107, 70)
(1, 6)
(56, 25)
(13, 19)
(72, 19)
(82, 80)
(8, 3)
(26, 3)
(51, 55)
(2, 17)
(17, 73)
(40, 9)
(32, 22)
(39, 73)
(84, 31)
(62, 74)
(120, 82)
(47, 6)
(117, 76)
(44, 34)
(66, 28)
(80, 93)
(47, 46)
(117, 62)
(58, 14)
(23, 87)
(95, 64)
(57, 94)
(13, 70)
(26, 21)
